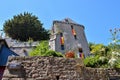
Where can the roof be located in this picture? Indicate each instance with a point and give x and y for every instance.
(14, 43)
(18, 47)
(68, 21)
(5, 52)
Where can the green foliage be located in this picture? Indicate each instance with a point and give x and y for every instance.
(91, 61)
(117, 65)
(53, 53)
(98, 49)
(95, 61)
(105, 56)
(42, 49)
(24, 26)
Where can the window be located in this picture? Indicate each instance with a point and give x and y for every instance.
(62, 41)
(73, 32)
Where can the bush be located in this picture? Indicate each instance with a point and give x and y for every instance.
(42, 49)
(95, 61)
(53, 53)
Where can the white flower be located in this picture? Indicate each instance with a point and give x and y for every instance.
(102, 59)
(113, 52)
(112, 61)
(116, 53)
(114, 41)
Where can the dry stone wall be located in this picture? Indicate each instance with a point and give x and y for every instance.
(50, 68)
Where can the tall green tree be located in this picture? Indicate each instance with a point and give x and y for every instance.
(24, 26)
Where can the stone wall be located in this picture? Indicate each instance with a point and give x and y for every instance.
(114, 74)
(50, 68)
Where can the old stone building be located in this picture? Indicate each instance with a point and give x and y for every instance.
(68, 35)
(19, 47)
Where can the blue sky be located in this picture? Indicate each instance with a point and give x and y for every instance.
(98, 16)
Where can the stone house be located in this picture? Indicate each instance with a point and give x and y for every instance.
(68, 35)
(19, 47)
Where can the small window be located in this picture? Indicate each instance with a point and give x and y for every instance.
(57, 77)
(73, 32)
(71, 26)
(61, 34)
(62, 41)
(62, 47)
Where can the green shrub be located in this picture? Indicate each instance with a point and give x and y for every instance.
(53, 53)
(42, 49)
(95, 61)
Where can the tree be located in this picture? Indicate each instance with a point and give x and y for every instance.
(24, 26)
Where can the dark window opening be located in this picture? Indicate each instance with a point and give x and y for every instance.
(75, 36)
(61, 34)
(80, 50)
(71, 26)
(62, 47)
(62, 41)
(73, 32)
(57, 77)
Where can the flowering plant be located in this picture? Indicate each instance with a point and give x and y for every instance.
(115, 52)
(70, 54)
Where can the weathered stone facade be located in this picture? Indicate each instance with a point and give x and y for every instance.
(51, 68)
(73, 37)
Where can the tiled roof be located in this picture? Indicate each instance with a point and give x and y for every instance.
(14, 43)
(67, 21)
(18, 47)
